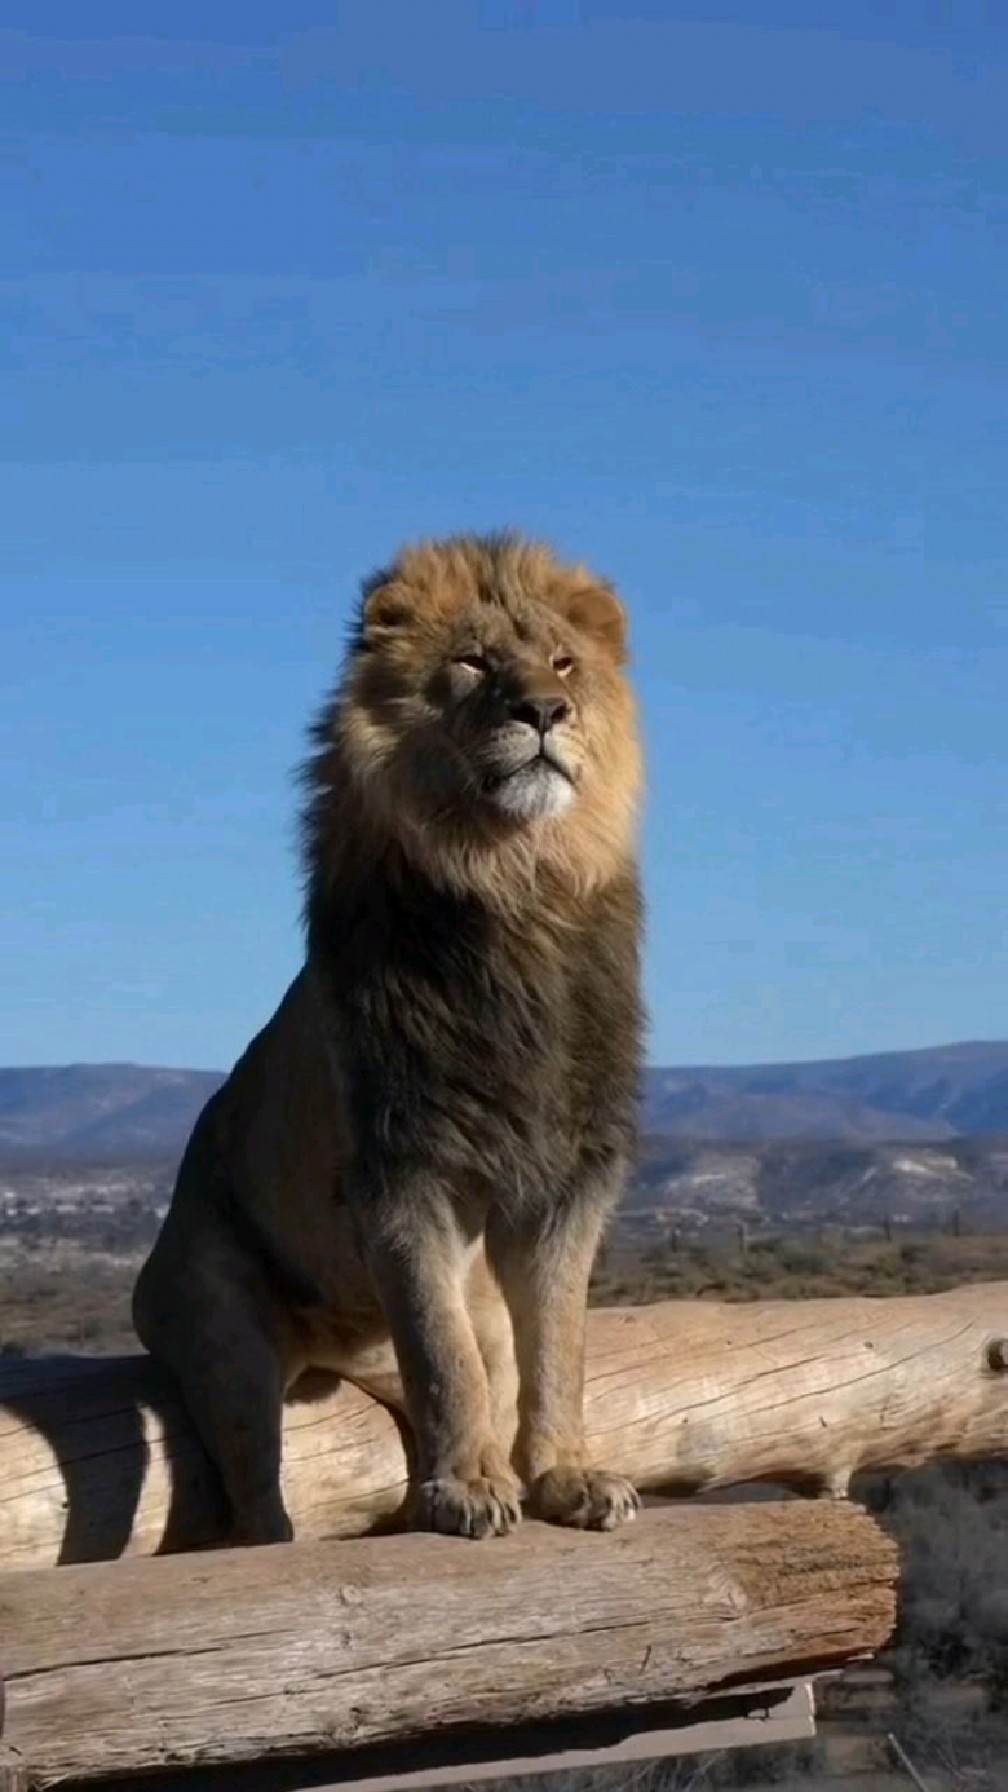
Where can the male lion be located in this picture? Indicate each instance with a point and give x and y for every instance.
(450, 1083)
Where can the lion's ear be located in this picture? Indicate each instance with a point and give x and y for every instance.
(596, 610)
(388, 603)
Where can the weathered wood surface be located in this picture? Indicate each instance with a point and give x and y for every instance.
(241, 1656)
(97, 1460)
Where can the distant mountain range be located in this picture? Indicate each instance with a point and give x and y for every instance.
(808, 1182)
(101, 1110)
(915, 1097)
(942, 1092)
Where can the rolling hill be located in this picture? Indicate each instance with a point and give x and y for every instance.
(114, 1110)
(937, 1093)
(915, 1097)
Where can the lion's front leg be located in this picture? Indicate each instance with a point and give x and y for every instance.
(544, 1266)
(419, 1257)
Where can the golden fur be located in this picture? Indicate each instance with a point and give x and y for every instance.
(372, 736)
(450, 1083)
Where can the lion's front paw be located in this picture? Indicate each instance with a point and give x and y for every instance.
(590, 1499)
(485, 1507)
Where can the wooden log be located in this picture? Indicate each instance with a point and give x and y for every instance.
(97, 1459)
(425, 1642)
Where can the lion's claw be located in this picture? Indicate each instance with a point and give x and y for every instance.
(589, 1499)
(485, 1507)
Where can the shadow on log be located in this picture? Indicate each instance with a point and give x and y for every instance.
(97, 1460)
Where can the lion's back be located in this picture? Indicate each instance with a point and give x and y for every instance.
(271, 1140)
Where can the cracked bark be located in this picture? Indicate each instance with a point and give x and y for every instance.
(97, 1460)
(253, 1656)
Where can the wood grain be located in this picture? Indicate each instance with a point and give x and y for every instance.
(97, 1459)
(254, 1655)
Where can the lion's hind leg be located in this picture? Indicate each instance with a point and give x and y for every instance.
(203, 1309)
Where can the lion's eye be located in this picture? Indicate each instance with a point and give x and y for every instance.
(474, 662)
(562, 663)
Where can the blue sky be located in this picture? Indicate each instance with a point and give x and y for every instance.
(715, 300)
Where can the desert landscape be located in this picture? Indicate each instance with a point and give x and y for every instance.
(87, 1157)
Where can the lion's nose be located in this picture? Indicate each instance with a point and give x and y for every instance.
(541, 713)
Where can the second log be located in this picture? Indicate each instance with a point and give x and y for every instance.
(97, 1459)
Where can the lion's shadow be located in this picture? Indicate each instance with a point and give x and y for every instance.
(98, 1418)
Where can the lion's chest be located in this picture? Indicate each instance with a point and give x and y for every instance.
(492, 1052)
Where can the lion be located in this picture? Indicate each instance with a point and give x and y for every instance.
(426, 1139)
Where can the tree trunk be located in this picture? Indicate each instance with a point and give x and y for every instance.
(97, 1459)
(436, 1645)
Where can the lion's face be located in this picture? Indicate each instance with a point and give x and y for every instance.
(515, 725)
(486, 700)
